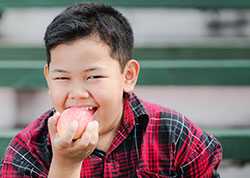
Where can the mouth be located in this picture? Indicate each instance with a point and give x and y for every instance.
(90, 109)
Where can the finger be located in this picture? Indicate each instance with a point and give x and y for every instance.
(93, 129)
(66, 138)
(90, 135)
(52, 122)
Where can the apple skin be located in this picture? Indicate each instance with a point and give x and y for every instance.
(79, 114)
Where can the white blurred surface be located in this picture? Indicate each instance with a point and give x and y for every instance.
(151, 26)
(8, 108)
(31, 104)
(206, 105)
(234, 171)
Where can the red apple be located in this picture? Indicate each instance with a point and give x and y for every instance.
(79, 114)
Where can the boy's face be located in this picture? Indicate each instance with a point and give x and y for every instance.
(82, 73)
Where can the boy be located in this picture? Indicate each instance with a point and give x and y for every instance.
(90, 65)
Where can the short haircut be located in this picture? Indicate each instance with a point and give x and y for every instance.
(84, 20)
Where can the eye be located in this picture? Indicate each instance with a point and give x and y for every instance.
(94, 77)
(61, 78)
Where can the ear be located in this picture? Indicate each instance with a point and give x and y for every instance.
(130, 74)
(46, 75)
(46, 71)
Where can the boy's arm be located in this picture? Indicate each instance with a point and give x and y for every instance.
(60, 171)
(67, 154)
(198, 154)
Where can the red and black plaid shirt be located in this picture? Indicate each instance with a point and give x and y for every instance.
(152, 141)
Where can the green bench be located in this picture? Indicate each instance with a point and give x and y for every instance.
(22, 67)
(235, 142)
(176, 65)
(215, 4)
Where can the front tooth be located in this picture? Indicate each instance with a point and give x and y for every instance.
(90, 108)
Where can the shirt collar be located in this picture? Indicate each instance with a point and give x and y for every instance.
(136, 105)
(133, 112)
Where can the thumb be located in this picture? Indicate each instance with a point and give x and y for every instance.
(52, 123)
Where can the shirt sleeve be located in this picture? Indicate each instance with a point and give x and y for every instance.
(198, 154)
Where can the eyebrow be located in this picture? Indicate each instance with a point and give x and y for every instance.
(59, 71)
(93, 69)
(85, 70)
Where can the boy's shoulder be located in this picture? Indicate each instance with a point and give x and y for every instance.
(164, 114)
(169, 135)
(32, 142)
(30, 150)
(168, 122)
(155, 111)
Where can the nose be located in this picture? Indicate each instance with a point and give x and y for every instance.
(79, 91)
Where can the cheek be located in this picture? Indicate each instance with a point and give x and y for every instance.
(108, 94)
(110, 100)
(58, 97)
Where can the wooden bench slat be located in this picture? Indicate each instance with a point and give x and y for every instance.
(29, 75)
(133, 3)
(14, 52)
(22, 67)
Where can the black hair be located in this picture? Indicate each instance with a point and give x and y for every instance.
(83, 20)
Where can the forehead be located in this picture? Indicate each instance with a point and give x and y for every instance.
(91, 47)
(83, 53)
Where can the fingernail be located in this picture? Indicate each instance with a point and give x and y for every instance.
(57, 114)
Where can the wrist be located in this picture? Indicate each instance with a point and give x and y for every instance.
(65, 169)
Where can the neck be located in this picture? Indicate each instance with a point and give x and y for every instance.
(106, 140)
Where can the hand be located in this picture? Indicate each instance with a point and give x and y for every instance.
(68, 152)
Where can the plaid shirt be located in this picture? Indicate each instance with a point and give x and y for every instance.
(151, 141)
